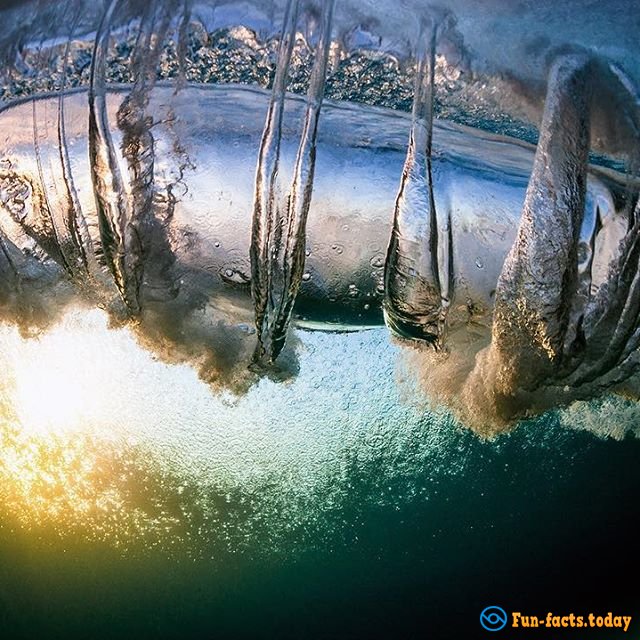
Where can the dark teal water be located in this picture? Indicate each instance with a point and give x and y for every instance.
(544, 519)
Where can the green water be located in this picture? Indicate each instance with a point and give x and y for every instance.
(528, 528)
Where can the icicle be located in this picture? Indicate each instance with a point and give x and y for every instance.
(75, 221)
(280, 214)
(108, 186)
(143, 236)
(540, 275)
(418, 268)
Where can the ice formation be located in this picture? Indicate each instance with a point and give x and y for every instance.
(213, 216)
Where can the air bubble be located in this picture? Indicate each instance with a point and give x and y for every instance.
(584, 252)
(234, 275)
(377, 262)
(306, 276)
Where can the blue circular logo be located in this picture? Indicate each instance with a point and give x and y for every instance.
(493, 618)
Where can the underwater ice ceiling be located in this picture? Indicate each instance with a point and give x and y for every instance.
(213, 174)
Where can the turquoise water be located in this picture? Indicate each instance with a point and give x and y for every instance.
(338, 505)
